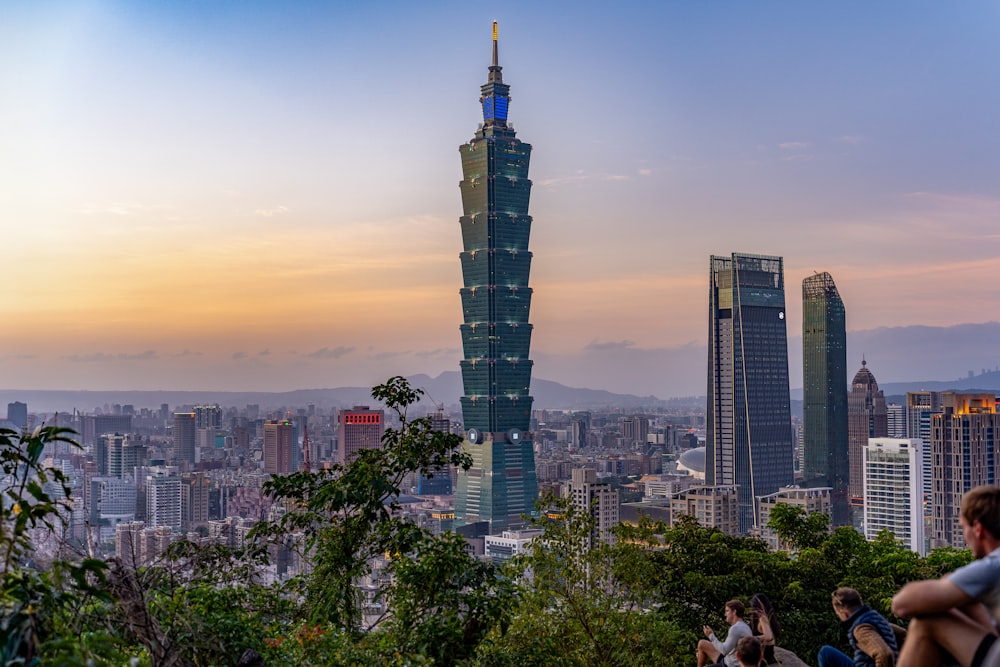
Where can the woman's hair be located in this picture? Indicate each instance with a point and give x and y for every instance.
(760, 605)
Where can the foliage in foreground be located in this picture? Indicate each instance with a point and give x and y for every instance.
(641, 600)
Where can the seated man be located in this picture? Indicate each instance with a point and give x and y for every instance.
(749, 652)
(871, 636)
(954, 615)
(715, 651)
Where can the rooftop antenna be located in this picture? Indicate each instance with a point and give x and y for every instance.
(496, 57)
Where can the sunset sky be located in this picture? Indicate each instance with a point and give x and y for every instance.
(264, 195)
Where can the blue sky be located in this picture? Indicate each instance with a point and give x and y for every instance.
(264, 195)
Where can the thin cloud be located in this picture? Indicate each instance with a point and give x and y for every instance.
(381, 356)
(611, 345)
(440, 352)
(264, 353)
(645, 172)
(794, 145)
(121, 208)
(121, 356)
(327, 353)
(852, 139)
(616, 177)
(270, 212)
(239, 355)
(562, 180)
(186, 352)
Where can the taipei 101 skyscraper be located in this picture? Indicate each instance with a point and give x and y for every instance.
(496, 372)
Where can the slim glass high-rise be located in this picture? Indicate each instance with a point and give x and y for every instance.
(748, 419)
(824, 390)
(496, 335)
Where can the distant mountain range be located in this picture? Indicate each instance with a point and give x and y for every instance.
(969, 353)
(443, 390)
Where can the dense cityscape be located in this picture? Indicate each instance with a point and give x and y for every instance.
(326, 521)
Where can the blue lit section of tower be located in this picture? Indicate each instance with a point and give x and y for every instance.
(496, 335)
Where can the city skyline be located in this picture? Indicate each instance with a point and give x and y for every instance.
(195, 195)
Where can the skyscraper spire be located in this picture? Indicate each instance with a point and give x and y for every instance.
(496, 57)
(495, 93)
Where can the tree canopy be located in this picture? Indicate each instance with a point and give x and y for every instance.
(641, 600)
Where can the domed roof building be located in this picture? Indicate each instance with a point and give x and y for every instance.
(866, 418)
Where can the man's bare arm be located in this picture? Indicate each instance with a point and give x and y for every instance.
(919, 598)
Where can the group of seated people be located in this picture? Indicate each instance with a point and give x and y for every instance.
(952, 619)
(757, 636)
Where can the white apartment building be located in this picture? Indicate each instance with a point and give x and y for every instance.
(893, 490)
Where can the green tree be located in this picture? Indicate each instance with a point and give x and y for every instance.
(345, 515)
(583, 605)
(43, 607)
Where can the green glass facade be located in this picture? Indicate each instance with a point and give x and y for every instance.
(748, 414)
(824, 393)
(496, 334)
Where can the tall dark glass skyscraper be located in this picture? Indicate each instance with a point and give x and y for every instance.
(748, 420)
(496, 335)
(824, 382)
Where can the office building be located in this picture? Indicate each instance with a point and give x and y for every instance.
(183, 432)
(812, 500)
(357, 429)
(436, 481)
(635, 432)
(17, 414)
(597, 499)
(208, 416)
(748, 418)
(510, 543)
(112, 502)
(496, 371)
(711, 506)
(92, 426)
(280, 441)
(866, 418)
(163, 500)
(895, 417)
(824, 391)
(118, 454)
(128, 543)
(892, 473)
(195, 489)
(920, 407)
(581, 427)
(963, 456)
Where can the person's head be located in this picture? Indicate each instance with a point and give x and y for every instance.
(980, 519)
(845, 602)
(748, 651)
(761, 607)
(735, 611)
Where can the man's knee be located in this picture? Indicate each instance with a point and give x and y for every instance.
(921, 628)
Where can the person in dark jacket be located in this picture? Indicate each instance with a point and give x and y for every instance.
(871, 636)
